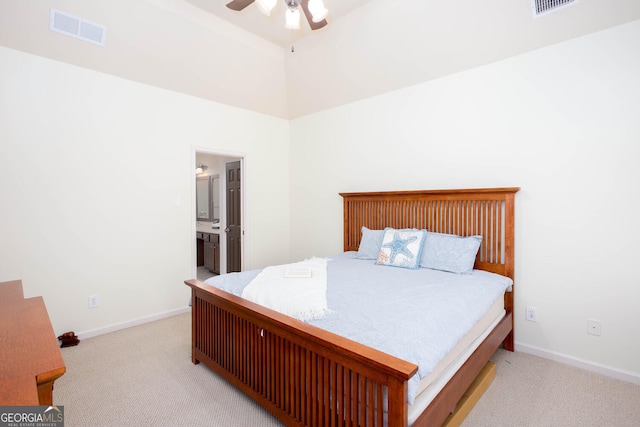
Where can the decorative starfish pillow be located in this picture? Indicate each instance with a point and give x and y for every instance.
(401, 248)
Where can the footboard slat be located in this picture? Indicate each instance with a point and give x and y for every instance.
(292, 368)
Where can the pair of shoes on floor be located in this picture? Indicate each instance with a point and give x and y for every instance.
(68, 339)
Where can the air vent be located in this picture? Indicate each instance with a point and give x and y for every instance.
(69, 25)
(543, 7)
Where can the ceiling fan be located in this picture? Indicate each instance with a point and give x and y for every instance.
(313, 10)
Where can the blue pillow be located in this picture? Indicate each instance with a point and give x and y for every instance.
(370, 244)
(401, 248)
(450, 252)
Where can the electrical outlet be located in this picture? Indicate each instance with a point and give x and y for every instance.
(594, 327)
(93, 301)
(531, 314)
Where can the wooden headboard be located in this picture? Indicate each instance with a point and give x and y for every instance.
(488, 212)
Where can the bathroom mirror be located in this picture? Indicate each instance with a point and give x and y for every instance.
(215, 191)
(203, 199)
(208, 198)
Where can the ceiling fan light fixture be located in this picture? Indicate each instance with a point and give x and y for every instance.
(314, 11)
(292, 18)
(317, 10)
(266, 6)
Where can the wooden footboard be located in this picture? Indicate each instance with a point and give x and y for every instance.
(300, 373)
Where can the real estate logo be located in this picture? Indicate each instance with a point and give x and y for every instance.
(31, 416)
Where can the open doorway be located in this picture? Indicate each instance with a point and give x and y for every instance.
(218, 214)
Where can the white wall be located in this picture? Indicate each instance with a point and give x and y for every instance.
(97, 185)
(561, 123)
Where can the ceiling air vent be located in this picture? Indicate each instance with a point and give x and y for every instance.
(69, 25)
(542, 7)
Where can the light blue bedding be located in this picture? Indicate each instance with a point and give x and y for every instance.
(416, 315)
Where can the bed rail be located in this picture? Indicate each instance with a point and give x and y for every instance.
(300, 373)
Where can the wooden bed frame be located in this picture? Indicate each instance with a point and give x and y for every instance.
(307, 376)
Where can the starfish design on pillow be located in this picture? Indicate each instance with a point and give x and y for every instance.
(399, 246)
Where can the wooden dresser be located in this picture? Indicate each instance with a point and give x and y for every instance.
(30, 359)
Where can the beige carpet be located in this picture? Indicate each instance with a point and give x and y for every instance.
(143, 376)
(529, 391)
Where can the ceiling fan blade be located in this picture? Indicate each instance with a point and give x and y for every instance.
(314, 25)
(239, 4)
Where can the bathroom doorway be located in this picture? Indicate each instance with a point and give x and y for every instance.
(218, 216)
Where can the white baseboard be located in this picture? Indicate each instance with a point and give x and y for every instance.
(135, 322)
(619, 374)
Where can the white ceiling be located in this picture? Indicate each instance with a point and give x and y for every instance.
(244, 59)
(271, 27)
